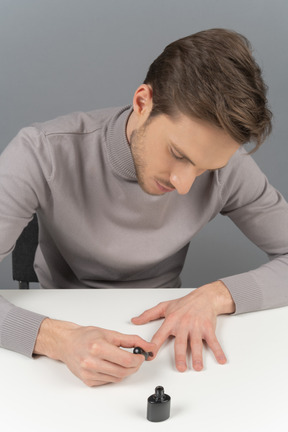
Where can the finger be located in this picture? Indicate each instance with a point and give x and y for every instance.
(131, 341)
(116, 355)
(216, 348)
(196, 344)
(107, 371)
(95, 383)
(91, 382)
(92, 370)
(152, 314)
(161, 335)
(104, 378)
(180, 348)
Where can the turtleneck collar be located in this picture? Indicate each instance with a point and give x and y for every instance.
(118, 147)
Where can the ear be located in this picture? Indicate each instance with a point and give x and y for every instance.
(143, 101)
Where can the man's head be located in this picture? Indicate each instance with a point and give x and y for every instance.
(211, 75)
(202, 98)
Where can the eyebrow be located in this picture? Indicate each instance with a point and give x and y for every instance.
(188, 159)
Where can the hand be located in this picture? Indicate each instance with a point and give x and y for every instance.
(191, 319)
(93, 354)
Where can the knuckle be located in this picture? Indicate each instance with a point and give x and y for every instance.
(96, 348)
(85, 364)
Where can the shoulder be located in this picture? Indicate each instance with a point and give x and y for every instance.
(240, 163)
(241, 169)
(242, 180)
(77, 122)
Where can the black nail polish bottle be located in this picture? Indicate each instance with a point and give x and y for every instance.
(158, 406)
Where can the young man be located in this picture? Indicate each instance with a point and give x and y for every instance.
(138, 183)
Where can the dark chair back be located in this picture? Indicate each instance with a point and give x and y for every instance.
(23, 255)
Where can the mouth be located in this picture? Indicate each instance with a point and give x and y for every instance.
(162, 188)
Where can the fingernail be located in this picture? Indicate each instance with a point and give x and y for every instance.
(197, 365)
(181, 366)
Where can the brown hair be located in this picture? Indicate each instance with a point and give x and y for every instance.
(212, 75)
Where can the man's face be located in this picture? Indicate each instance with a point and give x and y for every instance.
(169, 154)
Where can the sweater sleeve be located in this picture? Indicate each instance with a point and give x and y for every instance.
(18, 328)
(24, 168)
(261, 213)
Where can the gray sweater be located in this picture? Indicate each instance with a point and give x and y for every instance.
(98, 229)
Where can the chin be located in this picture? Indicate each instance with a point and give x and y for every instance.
(150, 191)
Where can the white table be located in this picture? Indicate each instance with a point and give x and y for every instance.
(249, 393)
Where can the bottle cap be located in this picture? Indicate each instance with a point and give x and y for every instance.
(138, 350)
(158, 405)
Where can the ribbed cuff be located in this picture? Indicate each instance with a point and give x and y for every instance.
(19, 330)
(245, 292)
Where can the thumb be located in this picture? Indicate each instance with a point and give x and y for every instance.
(152, 314)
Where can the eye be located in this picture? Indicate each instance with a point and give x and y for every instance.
(176, 156)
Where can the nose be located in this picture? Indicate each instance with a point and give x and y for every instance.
(183, 179)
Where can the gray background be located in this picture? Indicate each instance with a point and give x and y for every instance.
(59, 56)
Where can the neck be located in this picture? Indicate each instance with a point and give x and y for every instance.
(130, 126)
